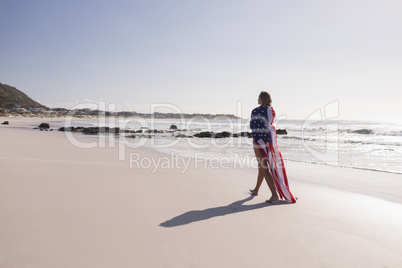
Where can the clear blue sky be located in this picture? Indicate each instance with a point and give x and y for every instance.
(204, 56)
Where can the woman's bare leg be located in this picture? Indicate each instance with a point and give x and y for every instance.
(260, 178)
(263, 171)
(270, 182)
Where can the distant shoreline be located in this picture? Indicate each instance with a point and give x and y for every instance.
(146, 116)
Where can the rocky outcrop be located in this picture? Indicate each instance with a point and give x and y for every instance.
(246, 134)
(173, 127)
(5, 123)
(224, 134)
(204, 134)
(44, 126)
(79, 129)
(281, 132)
(220, 135)
(95, 130)
(116, 130)
(92, 130)
(10, 96)
(69, 129)
(183, 136)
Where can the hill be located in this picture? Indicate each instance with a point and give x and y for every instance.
(9, 96)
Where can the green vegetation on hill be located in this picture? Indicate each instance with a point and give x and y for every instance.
(9, 96)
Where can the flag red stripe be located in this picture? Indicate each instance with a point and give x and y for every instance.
(275, 170)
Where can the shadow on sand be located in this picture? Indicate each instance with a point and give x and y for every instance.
(200, 215)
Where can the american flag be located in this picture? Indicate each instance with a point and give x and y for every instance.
(264, 134)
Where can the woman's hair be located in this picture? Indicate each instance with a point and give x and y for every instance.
(265, 98)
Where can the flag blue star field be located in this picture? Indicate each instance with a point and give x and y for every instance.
(264, 135)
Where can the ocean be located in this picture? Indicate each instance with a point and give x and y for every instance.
(367, 145)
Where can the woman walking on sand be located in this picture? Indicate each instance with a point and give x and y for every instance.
(270, 161)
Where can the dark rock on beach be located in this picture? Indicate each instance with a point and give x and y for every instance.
(183, 136)
(246, 134)
(91, 130)
(115, 130)
(220, 135)
(69, 129)
(176, 130)
(225, 134)
(217, 135)
(205, 134)
(44, 126)
(5, 123)
(281, 132)
(173, 129)
(102, 129)
(79, 129)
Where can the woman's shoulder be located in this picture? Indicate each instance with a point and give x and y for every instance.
(261, 108)
(256, 110)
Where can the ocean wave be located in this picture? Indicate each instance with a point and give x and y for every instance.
(379, 169)
(290, 137)
(364, 131)
(361, 131)
(371, 143)
(341, 140)
(299, 138)
(377, 132)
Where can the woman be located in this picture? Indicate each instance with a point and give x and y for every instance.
(270, 161)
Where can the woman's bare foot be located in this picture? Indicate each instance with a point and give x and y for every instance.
(272, 199)
(253, 192)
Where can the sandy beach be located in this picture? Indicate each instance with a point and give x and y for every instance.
(63, 206)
